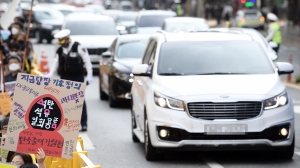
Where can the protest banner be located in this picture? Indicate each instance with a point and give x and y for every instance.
(5, 103)
(3, 152)
(5, 165)
(45, 114)
(10, 87)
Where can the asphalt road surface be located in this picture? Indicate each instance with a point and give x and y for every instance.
(108, 140)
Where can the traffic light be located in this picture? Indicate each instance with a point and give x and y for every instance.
(243, 1)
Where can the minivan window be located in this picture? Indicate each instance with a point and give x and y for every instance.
(153, 20)
(91, 27)
(218, 57)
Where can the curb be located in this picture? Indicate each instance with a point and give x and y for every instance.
(292, 85)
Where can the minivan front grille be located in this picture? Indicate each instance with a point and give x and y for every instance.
(96, 51)
(236, 110)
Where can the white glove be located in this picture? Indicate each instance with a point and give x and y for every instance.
(89, 79)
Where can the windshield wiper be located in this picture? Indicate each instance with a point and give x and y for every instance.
(220, 73)
(171, 74)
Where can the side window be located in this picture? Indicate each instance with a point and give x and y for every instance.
(112, 48)
(148, 52)
(152, 58)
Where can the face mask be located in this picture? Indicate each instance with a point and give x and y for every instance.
(66, 45)
(14, 31)
(14, 67)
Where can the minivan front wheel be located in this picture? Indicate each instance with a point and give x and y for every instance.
(150, 152)
(287, 153)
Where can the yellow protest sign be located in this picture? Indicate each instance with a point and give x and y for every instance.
(5, 103)
(5, 165)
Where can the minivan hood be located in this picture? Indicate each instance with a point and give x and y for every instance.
(94, 41)
(147, 30)
(182, 87)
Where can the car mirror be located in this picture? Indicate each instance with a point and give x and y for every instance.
(273, 44)
(140, 70)
(273, 56)
(106, 54)
(284, 68)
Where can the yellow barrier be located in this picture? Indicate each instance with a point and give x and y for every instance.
(80, 159)
(35, 69)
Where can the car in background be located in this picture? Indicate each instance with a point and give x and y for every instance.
(27, 3)
(111, 4)
(125, 21)
(184, 24)
(126, 6)
(112, 13)
(45, 20)
(250, 18)
(257, 36)
(95, 32)
(150, 21)
(211, 91)
(83, 10)
(115, 67)
(63, 8)
(97, 9)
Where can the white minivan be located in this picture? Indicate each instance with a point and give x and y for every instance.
(210, 91)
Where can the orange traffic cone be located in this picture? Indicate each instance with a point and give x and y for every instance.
(44, 67)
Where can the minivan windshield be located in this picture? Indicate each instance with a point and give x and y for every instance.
(209, 58)
(91, 27)
(153, 20)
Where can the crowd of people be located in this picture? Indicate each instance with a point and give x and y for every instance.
(14, 46)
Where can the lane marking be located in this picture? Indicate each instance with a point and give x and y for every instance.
(297, 109)
(211, 163)
(87, 143)
(296, 101)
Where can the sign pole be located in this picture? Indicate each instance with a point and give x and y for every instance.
(27, 36)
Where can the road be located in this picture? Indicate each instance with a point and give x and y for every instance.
(108, 140)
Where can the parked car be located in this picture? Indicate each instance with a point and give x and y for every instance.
(250, 18)
(112, 13)
(210, 91)
(115, 67)
(63, 8)
(95, 32)
(255, 34)
(125, 21)
(45, 20)
(184, 24)
(126, 6)
(150, 21)
(97, 9)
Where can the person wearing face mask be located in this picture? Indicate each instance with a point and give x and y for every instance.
(14, 65)
(15, 29)
(70, 61)
(15, 49)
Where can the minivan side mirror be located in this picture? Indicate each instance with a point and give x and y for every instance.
(284, 68)
(140, 70)
(273, 44)
(106, 54)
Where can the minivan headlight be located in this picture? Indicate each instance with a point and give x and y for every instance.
(167, 102)
(277, 101)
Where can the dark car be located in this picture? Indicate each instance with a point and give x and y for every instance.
(125, 21)
(115, 67)
(44, 22)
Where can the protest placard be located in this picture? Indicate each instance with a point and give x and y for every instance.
(45, 114)
(10, 87)
(5, 103)
(3, 152)
(5, 165)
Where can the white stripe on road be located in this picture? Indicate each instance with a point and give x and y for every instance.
(297, 109)
(211, 163)
(87, 143)
(298, 153)
(296, 101)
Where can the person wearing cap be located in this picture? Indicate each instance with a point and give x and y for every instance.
(14, 66)
(274, 33)
(70, 62)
